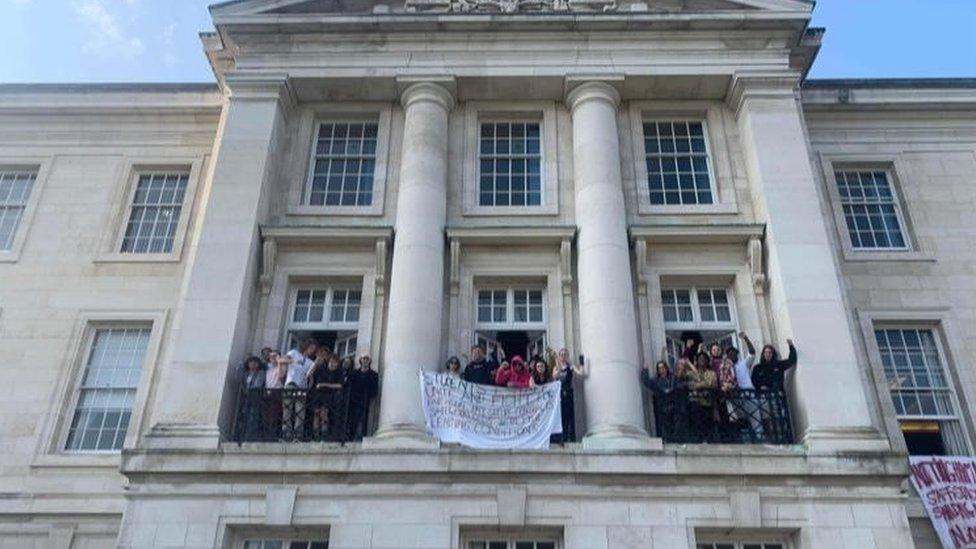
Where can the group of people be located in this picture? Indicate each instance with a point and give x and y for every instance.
(719, 391)
(494, 368)
(308, 393)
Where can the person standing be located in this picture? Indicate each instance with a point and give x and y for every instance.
(664, 386)
(299, 362)
(364, 384)
(515, 376)
(453, 367)
(481, 369)
(252, 392)
(748, 406)
(770, 373)
(564, 372)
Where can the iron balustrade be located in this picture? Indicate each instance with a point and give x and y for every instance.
(298, 415)
(740, 416)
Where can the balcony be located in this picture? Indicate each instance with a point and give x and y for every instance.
(297, 415)
(742, 416)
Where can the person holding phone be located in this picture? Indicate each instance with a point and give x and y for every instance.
(564, 372)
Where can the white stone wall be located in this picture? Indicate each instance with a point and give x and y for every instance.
(932, 154)
(59, 280)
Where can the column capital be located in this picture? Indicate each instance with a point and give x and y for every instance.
(590, 90)
(261, 87)
(435, 89)
(768, 85)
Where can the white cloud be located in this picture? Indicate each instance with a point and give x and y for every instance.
(105, 35)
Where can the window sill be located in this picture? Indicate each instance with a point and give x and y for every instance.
(108, 460)
(311, 211)
(907, 256)
(704, 209)
(9, 257)
(137, 258)
(502, 211)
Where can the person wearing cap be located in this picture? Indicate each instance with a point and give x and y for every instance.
(515, 376)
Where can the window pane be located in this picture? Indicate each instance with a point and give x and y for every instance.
(155, 213)
(108, 387)
(870, 210)
(677, 163)
(344, 164)
(510, 164)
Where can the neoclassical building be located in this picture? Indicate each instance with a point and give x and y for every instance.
(408, 179)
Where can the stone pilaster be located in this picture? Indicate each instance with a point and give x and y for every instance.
(211, 330)
(804, 296)
(608, 324)
(414, 321)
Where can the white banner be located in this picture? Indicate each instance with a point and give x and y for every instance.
(948, 489)
(490, 418)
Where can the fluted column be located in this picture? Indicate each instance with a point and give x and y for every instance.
(413, 328)
(608, 324)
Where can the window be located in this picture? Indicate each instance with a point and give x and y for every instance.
(343, 164)
(15, 189)
(311, 305)
(155, 213)
(738, 545)
(871, 210)
(285, 544)
(709, 311)
(511, 306)
(107, 389)
(510, 164)
(676, 155)
(923, 397)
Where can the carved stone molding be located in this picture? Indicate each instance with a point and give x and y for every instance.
(511, 6)
(756, 265)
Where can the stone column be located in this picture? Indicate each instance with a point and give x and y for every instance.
(414, 321)
(212, 327)
(805, 299)
(608, 324)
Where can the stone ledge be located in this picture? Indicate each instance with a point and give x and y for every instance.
(409, 465)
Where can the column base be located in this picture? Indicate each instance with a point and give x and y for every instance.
(405, 436)
(621, 437)
(833, 440)
(189, 436)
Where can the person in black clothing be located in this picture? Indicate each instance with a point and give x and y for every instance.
(669, 407)
(769, 374)
(481, 369)
(363, 387)
(564, 371)
(329, 384)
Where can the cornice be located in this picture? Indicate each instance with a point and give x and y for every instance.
(109, 99)
(512, 234)
(761, 85)
(734, 233)
(326, 234)
(262, 87)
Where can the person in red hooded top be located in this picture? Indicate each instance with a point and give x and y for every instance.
(516, 375)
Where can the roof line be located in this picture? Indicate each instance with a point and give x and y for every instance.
(112, 87)
(889, 83)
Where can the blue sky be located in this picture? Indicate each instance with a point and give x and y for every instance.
(156, 40)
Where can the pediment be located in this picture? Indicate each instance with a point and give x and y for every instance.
(324, 7)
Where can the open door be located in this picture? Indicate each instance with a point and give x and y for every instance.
(345, 344)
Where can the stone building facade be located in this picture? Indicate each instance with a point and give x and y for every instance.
(153, 236)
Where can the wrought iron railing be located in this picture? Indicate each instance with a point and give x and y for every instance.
(740, 416)
(298, 415)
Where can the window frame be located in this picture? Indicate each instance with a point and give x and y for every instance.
(715, 129)
(131, 206)
(51, 450)
(327, 324)
(895, 202)
(510, 324)
(41, 166)
(510, 536)
(511, 157)
(697, 323)
(313, 156)
(947, 372)
(713, 186)
(132, 170)
(311, 120)
(543, 112)
(893, 167)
